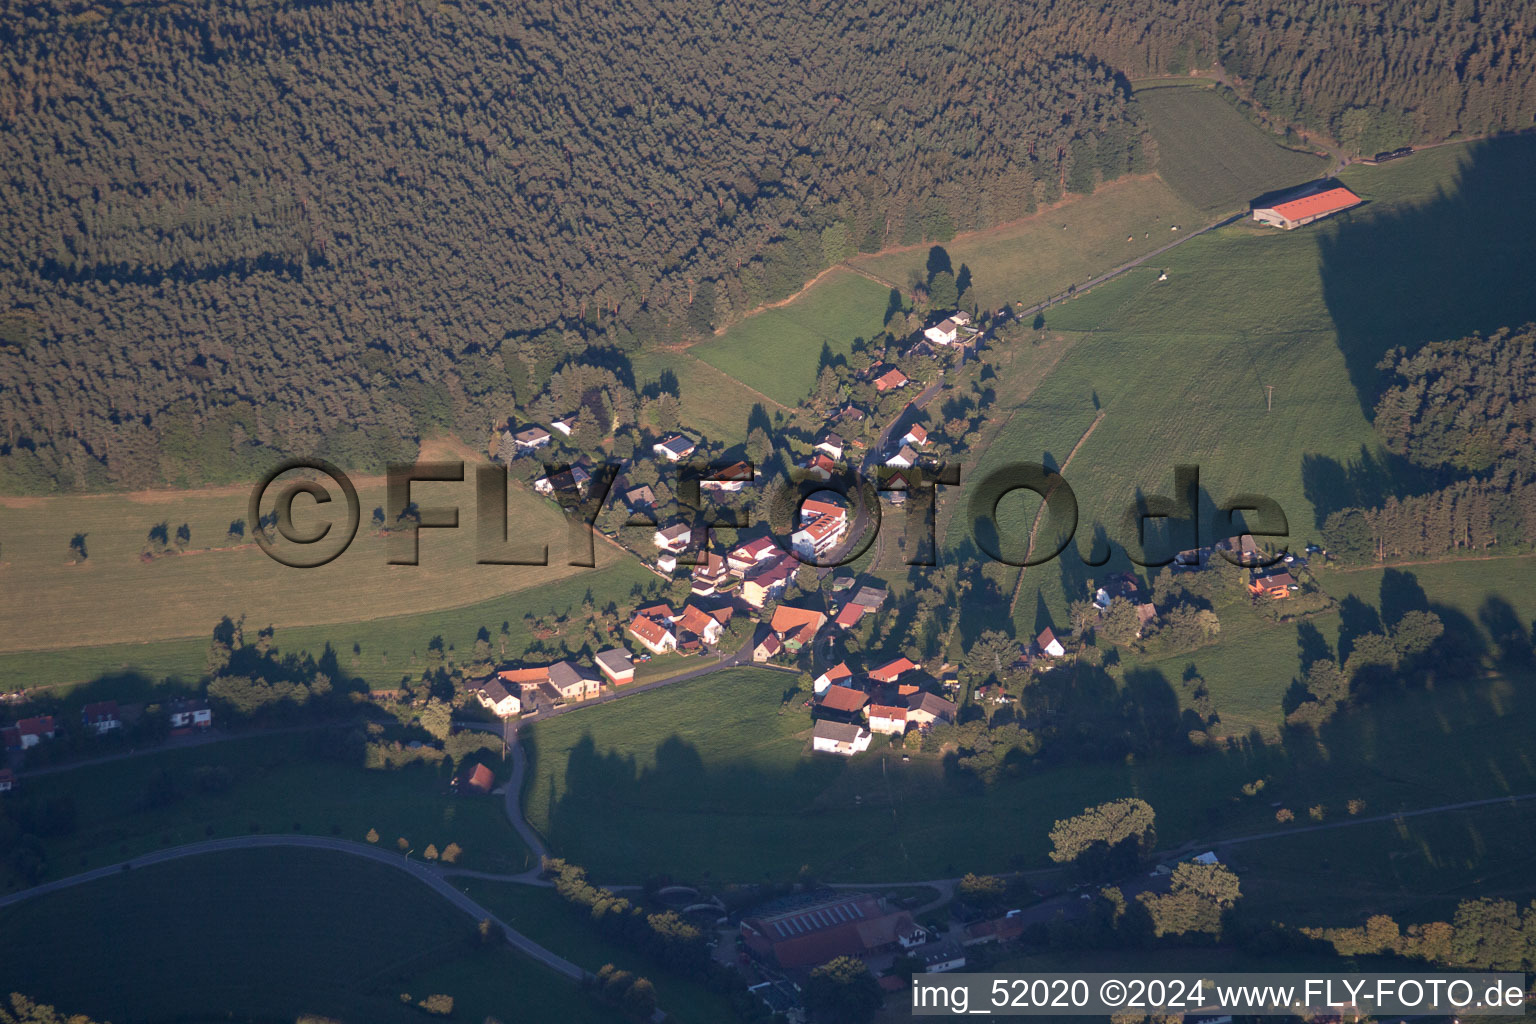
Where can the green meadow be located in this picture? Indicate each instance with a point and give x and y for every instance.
(1214, 157)
(289, 782)
(277, 933)
(1180, 367)
(709, 781)
(1063, 245)
(779, 350)
(711, 402)
(380, 650)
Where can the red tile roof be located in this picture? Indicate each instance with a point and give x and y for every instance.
(649, 630)
(888, 672)
(787, 618)
(1331, 201)
(890, 379)
(481, 778)
(850, 615)
(887, 711)
(843, 698)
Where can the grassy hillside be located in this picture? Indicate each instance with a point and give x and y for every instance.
(115, 596)
(267, 935)
(1213, 156)
(711, 401)
(378, 650)
(1041, 255)
(280, 783)
(1179, 367)
(709, 780)
(779, 350)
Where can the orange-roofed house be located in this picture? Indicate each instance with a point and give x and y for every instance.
(788, 619)
(890, 380)
(1277, 586)
(884, 718)
(844, 700)
(838, 673)
(1295, 213)
(652, 635)
(893, 670)
(700, 623)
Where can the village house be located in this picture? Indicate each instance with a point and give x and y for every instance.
(796, 626)
(101, 717)
(906, 458)
(1049, 645)
(818, 537)
(870, 597)
(843, 702)
(830, 444)
(836, 675)
(28, 732)
(654, 636)
(565, 424)
(850, 615)
(916, 435)
(700, 623)
(1295, 213)
(819, 465)
(843, 738)
(887, 719)
(890, 380)
(493, 694)
(640, 499)
(1276, 586)
(924, 709)
(728, 480)
(573, 682)
(529, 439)
(767, 647)
(751, 554)
(947, 331)
(616, 664)
(766, 584)
(709, 573)
(674, 448)
(189, 713)
(893, 670)
(674, 539)
(565, 482)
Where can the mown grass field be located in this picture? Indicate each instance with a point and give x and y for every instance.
(379, 651)
(267, 935)
(554, 924)
(1040, 256)
(1212, 156)
(712, 402)
(779, 350)
(708, 781)
(279, 783)
(115, 596)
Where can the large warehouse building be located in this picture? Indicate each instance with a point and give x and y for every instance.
(1294, 213)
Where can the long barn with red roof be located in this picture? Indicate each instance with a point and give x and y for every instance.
(1295, 213)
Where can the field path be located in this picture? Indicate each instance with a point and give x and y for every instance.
(428, 876)
(1040, 513)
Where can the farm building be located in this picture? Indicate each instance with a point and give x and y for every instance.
(1295, 213)
(845, 738)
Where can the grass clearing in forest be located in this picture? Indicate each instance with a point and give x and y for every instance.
(779, 350)
(275, 933)
(1043, 254)
(1214, 157)
(713, 403)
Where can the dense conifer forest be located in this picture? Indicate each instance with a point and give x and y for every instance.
(240, 229)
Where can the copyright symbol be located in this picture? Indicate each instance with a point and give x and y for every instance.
(284, 512)
(1112, 993)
